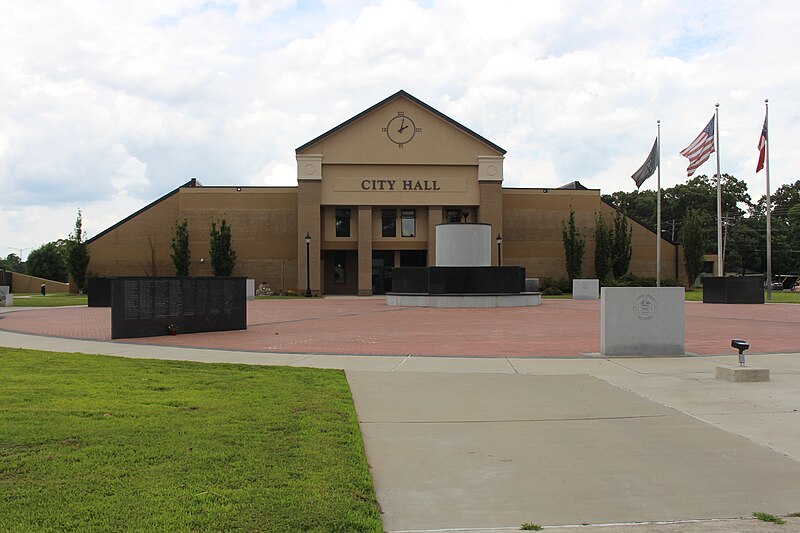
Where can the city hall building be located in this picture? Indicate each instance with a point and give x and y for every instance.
(369, 195)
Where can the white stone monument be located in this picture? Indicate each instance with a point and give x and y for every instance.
(251, 289)
(6, 298)
(463, 245)
(585, 289)
(642, 321)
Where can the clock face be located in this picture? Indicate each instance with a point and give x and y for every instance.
(401, 129)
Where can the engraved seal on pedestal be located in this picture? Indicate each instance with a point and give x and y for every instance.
(644, 307)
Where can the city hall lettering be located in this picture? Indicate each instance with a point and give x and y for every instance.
(400, 185)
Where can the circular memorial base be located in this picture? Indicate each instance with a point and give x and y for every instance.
(525, 299)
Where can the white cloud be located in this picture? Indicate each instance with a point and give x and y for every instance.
(113, 104)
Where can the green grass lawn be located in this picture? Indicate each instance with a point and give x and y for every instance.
(56, 299)
(97, 443)
(696, 295)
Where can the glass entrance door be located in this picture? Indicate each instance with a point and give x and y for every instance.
(382, 264)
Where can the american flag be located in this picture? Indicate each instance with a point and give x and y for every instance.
(703, 146)
(762, 147)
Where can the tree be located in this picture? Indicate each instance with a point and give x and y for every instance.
(78, 254)
(223, 256)
(621, 248)
(695, 242)
(574, 247)
(180, 249)
(640, 205)
(783, 199)
(603, 239)
(47, 261)
(13, 263)
(700, 193)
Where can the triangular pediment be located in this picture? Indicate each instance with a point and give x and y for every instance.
(401, 130)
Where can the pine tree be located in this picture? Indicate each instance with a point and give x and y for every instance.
(180, 249)
(223, 256)
(78, 254)
(574, 247)
(603, 240)
(621, 248)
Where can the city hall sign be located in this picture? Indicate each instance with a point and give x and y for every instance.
(441, 184)
(402, 185)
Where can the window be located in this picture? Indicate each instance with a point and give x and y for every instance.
(339, 268)
(453, 215)
(342, 222)
(408, 222)
(389, 223)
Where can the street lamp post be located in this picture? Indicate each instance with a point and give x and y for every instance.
(308, 265)
(21, 251)
(499, 241)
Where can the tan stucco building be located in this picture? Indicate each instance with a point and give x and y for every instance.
(369, 194)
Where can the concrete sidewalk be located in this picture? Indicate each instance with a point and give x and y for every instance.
(464, 451)
(490, 443)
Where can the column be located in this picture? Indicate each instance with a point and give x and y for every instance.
(309, 195)
(490, 183)
(364, 250)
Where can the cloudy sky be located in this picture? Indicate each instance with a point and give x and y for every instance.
(105, 106)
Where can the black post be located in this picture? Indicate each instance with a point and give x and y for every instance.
(308, 266)
(499, 252)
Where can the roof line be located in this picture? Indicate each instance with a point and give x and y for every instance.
(191, 183)
(417, 101)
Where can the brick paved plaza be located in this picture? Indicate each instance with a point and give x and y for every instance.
(557, 328)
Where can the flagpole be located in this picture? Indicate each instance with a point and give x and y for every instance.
(720, 258)
(658, 210)
(769, 204)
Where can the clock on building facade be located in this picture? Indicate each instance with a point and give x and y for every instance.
(401, 129)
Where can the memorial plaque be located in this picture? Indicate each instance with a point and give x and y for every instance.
(215, 300)
(228, 292)
(458, 280)
(146, 307)
(733, 290)
(99, 292)
(161, 299)
(189, 291)
(201, 300)
(146, 303)
(131, 299)
(175, 298)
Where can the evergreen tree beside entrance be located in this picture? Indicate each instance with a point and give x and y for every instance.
(223, 256)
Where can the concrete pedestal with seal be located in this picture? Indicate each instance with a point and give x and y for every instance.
(6, 298)
(585, 289)
(642, 321)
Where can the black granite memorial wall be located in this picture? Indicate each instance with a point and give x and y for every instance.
(147, 307)
(733, 290)
(458, 280)
(99, 292)
(5, 279)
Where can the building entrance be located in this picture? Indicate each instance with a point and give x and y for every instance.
(382, 264)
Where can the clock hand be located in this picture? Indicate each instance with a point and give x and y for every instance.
(402, 126)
